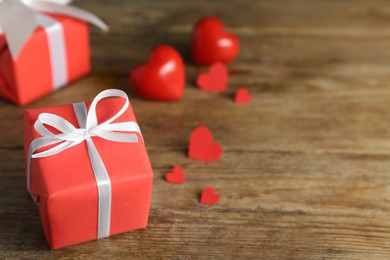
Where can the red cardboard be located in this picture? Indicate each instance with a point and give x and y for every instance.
(242, 96)
(202, 147)
(209, 196)
(215, 80)
(176, 176)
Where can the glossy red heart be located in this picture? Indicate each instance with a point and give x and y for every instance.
(214, 80)
(209, 196)
(242, 96)
(162, 77)
(176, 176)
(210, 43)
(202, 147)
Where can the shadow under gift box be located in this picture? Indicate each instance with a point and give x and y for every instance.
(67, 189)
(30, 76)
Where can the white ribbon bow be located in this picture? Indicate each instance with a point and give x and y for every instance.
(18, 18)
(70, 136)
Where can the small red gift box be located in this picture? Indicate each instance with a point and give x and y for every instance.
(55, 54)
(63, 177)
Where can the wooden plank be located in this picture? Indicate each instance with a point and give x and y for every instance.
(292, 205)
(304, 173)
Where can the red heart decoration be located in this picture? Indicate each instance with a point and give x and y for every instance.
(209, 196)
(210, 43)
(242, 96)
(176, 176)
(215, 80)
(162, 77)
(202, 147)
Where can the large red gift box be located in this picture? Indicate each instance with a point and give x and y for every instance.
(65, 187)
(30, 76)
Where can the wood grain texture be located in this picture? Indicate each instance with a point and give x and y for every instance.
(306, 168)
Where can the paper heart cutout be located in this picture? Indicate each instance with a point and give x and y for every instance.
(242, 96)
(176, 176)
(210, 43)
(162, 77)
(215, 79)
(209, 196)
(202, 147)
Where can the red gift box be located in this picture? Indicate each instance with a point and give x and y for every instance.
(65, 187)
(37, 70)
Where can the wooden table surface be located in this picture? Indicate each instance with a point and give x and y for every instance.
(306, 167)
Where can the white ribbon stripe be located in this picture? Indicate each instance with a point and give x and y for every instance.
(57, 50)
(69, 136)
